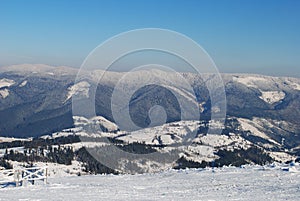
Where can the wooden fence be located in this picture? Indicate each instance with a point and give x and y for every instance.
(19, 176)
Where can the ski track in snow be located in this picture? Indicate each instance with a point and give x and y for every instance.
(249, 183)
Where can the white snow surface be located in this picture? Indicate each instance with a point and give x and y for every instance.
(23, 83)
(167, 133)
(281, 156)
(97, 120)
(6, 82)
(264, 83)
(219, 141)
(296, 86)
(293, 83)
(80, 89)
(228, 183)
(11, 139)
(250, 81)
(252, 126)
(4, 93)
(272, 97)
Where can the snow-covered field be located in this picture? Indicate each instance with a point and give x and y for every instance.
(248, 183)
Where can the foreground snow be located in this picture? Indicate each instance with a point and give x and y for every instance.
(248, 183)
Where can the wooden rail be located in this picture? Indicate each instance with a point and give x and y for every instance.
(19, 176)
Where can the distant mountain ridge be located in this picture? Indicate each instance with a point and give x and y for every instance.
(262, 122)
(36, 99)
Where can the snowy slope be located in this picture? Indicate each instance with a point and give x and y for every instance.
(11, 139)
(267, 109)
(80, 89)
(165, 134)
(262, 82)
(23, 83)
(6, 82)
(272, 97)
(4, 93)
(249, 125)
(248, 183)
(198, 147)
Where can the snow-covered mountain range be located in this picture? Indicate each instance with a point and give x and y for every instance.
(263, 113)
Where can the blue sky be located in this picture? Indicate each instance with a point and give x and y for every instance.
(244, 36)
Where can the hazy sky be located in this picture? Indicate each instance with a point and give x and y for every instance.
(241, 36)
